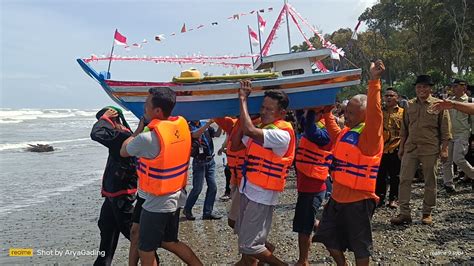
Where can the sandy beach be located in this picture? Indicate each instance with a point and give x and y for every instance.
(64, 230)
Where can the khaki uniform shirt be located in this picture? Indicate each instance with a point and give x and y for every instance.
(424, 129)
(392, 122)
(461, 123)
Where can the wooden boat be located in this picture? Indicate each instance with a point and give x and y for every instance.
(202, 98)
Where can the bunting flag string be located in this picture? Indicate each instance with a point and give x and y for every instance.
(205, 57)
(310, 45)
(271, 37)
(210, 60)
(137, 45)
(185, 29)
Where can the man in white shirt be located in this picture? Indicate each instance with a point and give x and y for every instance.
(258, 200)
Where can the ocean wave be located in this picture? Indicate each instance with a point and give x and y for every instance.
(20, 115)
(10, 121)
(23, 145)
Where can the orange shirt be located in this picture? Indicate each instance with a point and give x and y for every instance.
(370, 141)
(226, 123)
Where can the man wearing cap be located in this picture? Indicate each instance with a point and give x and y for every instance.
(119, 182)
(462, 128)
(424, 134)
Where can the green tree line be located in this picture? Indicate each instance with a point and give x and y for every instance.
(413, 37)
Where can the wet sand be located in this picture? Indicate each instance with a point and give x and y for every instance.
(69, 222)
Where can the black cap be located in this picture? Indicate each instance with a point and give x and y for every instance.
(458, 82)
(424, 79)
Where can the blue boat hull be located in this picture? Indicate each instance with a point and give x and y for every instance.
(132, 95)
(203, 109)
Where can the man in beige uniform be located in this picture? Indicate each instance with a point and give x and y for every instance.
(422, 133)
(462, 128)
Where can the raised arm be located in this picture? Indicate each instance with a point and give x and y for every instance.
(246, 124)
(140, 128)
(372, 136)
(195, 134)
(467, 108)
(331, 124)
(313, 132)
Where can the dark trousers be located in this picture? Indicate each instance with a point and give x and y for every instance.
(389, 166)
(115, 218)
(228, 175)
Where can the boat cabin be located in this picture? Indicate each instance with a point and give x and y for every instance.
(291, 64)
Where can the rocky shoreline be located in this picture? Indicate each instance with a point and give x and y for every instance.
(69, 222)
(448, 240)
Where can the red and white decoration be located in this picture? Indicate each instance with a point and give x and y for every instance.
(253, 36)
(261, 23)
(200, 59)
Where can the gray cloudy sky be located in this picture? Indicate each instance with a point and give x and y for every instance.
(40, 41)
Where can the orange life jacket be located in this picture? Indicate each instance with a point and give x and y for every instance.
(263, 167)
(311, 160)
(350, 167)
(168, 172)
(235, 159)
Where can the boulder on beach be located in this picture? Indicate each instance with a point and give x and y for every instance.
(40, 148)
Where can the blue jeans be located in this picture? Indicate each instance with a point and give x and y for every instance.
(203, 170)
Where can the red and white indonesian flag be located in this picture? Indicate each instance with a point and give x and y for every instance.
(120, 39)
(354, 33)
(253, 36)
(261, 22)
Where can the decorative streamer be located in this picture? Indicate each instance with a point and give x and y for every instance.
(271, 37)
(326, 44)
(207, 60)
(236, 16)
(310, 45)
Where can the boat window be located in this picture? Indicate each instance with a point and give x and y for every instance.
(292, 72)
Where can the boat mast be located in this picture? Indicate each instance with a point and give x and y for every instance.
(259, 37)
(250, 43)
(111, 54)
(287, 26)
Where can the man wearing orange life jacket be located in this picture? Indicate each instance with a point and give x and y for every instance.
(235, 160)
(346, 220)
(313, 158)
(163, 149)
(270, 150)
